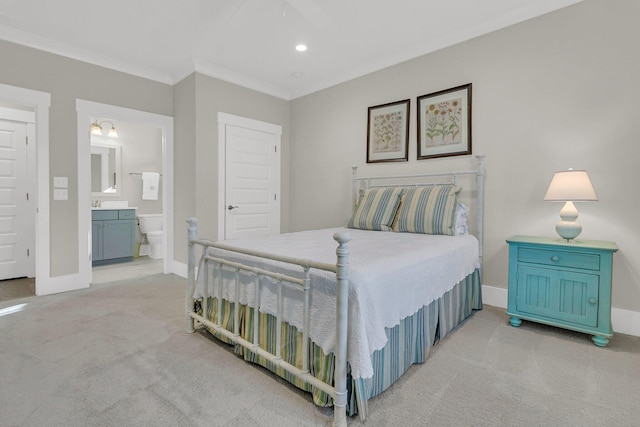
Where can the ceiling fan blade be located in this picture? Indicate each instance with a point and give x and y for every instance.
(311, 12)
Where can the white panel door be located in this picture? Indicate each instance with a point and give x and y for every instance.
(14, 218)
(252, 186)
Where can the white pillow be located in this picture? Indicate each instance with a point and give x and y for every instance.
(462, 214)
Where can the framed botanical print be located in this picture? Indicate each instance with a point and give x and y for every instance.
(388, 132)
(444, 123)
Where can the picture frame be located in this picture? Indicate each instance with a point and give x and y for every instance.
(388, 132)
(444, 123)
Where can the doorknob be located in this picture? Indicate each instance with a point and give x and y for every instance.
(232, 207)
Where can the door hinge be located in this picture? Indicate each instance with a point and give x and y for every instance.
(275, 197)
(275, 149)
(26, 140)
(27, 252)
(27, 196)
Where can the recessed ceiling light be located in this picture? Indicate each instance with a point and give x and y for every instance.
(301, 47)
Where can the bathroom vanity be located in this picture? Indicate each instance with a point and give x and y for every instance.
(113, 235)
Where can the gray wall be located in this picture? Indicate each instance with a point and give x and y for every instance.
(551, 93)
(67, 79)
(204, 97)
(184, 155)
(141, 152)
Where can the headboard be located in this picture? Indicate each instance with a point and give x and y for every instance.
(472, 192)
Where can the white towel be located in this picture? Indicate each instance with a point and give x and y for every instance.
(150, 182)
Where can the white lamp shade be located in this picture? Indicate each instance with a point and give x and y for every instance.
(571, 185)
(96, 129)
(113, 133)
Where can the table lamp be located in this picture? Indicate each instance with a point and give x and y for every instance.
(570, 186)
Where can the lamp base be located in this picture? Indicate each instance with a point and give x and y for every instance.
(568, 230)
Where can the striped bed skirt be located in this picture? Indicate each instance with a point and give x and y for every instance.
(408, 342)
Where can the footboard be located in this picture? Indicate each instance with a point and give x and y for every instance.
(338, 391)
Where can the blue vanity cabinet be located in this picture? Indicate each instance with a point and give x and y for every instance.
(113, 235)
(559, 283)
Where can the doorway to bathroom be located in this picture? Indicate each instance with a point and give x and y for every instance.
(145, 142)
(126, 190)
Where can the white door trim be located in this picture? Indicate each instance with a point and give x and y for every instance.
(229, 119)
(17, 115)
(86, 110)
(40, 102)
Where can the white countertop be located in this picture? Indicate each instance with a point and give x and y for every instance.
(112, 209)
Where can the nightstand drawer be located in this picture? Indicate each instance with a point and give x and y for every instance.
(559, 258)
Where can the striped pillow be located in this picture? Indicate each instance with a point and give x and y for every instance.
(376, 209)
(428, 210)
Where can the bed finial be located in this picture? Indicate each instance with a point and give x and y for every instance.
(193, 226)
(354, 187)
(480, 159)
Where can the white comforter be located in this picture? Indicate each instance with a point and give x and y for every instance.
(392, 275)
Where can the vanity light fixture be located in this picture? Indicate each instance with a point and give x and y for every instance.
(301, 47)
(570, 186)
(96, 128)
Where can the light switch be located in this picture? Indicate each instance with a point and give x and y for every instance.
(60, 182)
(60, 194)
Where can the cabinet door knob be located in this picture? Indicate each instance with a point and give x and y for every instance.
(591, 300)
(555, 258)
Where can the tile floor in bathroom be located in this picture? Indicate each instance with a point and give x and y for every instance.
(141, 266)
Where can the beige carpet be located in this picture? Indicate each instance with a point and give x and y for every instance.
(117, 355)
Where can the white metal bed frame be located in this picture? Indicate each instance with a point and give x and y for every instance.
(338, 391)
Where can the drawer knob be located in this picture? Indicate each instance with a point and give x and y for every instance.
(591, 301)
(555, 258)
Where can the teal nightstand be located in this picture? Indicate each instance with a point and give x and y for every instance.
(562, 284)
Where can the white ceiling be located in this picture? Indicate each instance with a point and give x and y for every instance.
(251, 42)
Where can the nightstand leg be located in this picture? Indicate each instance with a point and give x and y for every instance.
(515, 322)
(600, 341)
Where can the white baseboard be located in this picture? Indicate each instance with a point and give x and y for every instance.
(180, 269)
(623, 321)
(494, 296)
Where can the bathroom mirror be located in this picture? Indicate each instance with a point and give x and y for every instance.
(105, 169)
